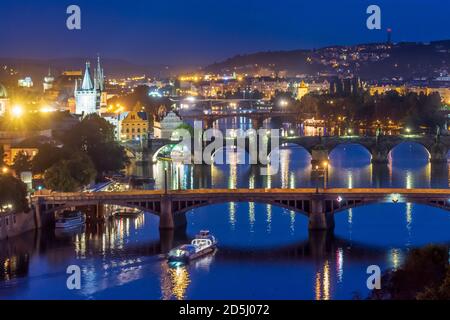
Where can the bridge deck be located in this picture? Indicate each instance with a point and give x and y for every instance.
(308, 191)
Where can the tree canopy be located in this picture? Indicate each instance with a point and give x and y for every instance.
(412, 109)
(70, 175)
(14, 192)
(95, 137)
(21, 163)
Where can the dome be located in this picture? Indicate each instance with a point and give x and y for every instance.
(3, 92)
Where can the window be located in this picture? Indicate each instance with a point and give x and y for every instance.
(14, 219)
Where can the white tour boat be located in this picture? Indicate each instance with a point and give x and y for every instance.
(202, 244)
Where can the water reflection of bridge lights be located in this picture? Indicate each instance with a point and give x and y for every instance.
(340, 264)
(251, 215)
(232, 215)
(322, 282)
(269, 218)
(409, 222)
(80, 244)
(292, 215)
(284, 166)
(349, 180)
(409, 180)
(395, 258)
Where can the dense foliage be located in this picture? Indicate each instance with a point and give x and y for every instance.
(424, 275)
(21, 163)
(70, 175)
(13, 191)
(412, 110)
(94, 136)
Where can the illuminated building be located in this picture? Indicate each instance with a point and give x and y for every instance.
(48, 81)
(90, 95)
(133, 126)
(25, 83)
(302, 90)
(4, 100)
(163, 129)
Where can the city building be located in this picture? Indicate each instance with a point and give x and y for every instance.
(48, 82)
(133, 126)
(302, 90)
(90, 95)
(26, 82)
(4, 100)
(164, 129)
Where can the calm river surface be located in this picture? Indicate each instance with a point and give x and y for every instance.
(265, 252)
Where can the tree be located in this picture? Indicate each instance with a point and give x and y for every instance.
(22, 163)
(47, 156)
(70, 175)
(424, 275)
(13, 192)
(95, 137)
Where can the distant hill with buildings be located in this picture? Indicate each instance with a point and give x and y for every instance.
(407, 61)
(13, 68)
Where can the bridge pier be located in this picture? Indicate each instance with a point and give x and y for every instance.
(167, 219)
(319, 154)
(438, 153)
(318, 242)
(318, 218)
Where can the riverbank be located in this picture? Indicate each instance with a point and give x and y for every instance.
(14, 224)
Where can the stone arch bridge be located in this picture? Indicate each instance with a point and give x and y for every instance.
(378, 147)
(257, 117)
(320, 147)
(319, 205)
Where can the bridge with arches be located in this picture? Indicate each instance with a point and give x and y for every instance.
(379, 147)
(257, 117)
(320, 147)
(319, 205)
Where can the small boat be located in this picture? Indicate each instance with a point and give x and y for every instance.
(202, 244)
(70, 219)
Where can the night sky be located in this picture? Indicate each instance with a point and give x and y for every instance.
(204, 31)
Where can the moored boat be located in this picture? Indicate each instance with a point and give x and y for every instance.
(70, 219)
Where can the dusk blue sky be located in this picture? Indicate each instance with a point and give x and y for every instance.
(204, 31)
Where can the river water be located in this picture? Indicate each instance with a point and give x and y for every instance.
(265, 252)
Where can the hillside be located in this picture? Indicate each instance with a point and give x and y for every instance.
(370, 61)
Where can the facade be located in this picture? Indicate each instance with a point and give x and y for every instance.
(133, 126)
(302, 90)
(4, 100)
(164, 129)
(48, 82)
(88, 96)
(26, 82)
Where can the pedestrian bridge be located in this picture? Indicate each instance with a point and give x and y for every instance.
(319, 205)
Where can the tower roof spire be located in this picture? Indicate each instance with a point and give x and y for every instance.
(87, 81)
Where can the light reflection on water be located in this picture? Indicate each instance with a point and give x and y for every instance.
(265, 251)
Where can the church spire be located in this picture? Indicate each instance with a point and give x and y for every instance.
(99, 75)
(87, 81)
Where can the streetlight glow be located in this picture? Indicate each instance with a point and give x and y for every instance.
(17, 111)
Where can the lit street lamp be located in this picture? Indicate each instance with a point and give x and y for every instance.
(17, 111)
